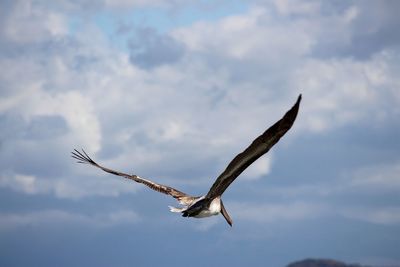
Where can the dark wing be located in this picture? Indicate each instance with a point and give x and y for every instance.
(85, 159)
(259, 147)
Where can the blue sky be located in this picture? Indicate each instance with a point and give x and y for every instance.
(172, 91)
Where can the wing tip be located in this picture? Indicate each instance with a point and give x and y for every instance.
(297, 104)
(294, 110)
(82, 158)
(298, 100)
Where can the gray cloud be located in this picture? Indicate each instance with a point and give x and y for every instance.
(149, 49)
(65, 218)
(353, 29)
(44, 127)
(367, 28)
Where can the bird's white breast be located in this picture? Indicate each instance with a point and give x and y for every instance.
(214, 209)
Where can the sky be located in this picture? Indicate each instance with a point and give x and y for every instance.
(172, 91)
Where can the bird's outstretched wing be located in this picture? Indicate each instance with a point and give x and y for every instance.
(259, 147)
(82, 157)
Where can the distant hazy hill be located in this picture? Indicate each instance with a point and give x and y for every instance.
(321, 263)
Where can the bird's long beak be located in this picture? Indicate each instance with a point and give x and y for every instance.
(225, 214)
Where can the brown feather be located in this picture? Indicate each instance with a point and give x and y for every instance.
(258, 147)
(180, 196)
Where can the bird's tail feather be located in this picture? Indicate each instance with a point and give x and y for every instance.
(174, 209)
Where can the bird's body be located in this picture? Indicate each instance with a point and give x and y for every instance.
(213, 207)
(211, 204)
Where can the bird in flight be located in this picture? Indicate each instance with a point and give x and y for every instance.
(211, 203)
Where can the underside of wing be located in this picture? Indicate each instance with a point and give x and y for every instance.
(82, 157)
(259, 147)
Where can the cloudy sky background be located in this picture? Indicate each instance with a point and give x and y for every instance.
(172, 91)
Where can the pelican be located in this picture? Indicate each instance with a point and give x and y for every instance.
(211, 203)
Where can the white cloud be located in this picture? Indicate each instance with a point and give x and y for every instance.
(141, 3)
(336, 91)
(379, 178)
(258, 169)
(384, 215)
(276, 212)
(243, 37)
(299, 211)
(29, 24)
(27, 183)
(340, 91)
(205, 224)
(296, 7)
(319, 190)
(239, 75)
(60, 218)
(76, 109)
(72, 188)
